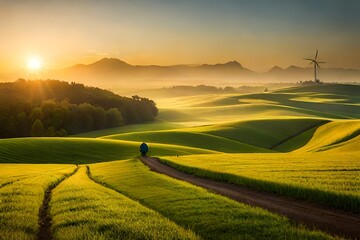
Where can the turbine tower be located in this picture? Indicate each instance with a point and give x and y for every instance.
(316, 64)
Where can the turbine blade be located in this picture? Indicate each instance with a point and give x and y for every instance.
(321, 62)
(318, 65)
(316, 54)
(308, 59)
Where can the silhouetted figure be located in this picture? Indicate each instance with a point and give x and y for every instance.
(144, 149)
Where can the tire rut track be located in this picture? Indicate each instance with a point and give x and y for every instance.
(45, 220)
(9, 182)
(105, 185)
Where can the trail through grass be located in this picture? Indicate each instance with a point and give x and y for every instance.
(332, 180)
(83, 209)
(210, 216)
(21, 200)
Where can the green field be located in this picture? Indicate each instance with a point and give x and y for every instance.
(332, 134)
(329, 179)
(83, 209)
(208, 215)
(300, 142)
(21, 199)
(190, 139)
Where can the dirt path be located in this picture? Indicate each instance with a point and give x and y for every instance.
(312, 215)
(45, 220)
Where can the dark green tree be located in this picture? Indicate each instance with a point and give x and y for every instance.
(37, 129)
(114, 118)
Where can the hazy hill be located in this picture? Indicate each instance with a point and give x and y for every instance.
(110, 72)
(295, 73)
(114, 73)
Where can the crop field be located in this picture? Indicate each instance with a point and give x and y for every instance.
(208, 215)
(332, 102)
(83, 209)
(300, 142)
(332, 134)
(15, 172)
(330, 180)
(21, 198)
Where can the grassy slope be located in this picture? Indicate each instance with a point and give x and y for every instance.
(153, 126)
(245, 136)
(335, 99)
(265, 117)
(297, 141)
(79, 150)
(263, 128)
(21, 200)
(329, 179)
(210, 216)
(230, 113)
(83, 209)
(352, 145)
(351, 92)
(190, 139)
(264, 133)
(315, 109)
(328, 101)
(331, 134)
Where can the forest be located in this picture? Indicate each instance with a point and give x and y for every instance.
(46, 108)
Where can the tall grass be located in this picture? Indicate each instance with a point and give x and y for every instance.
(20, 201)
(15, 172)
(210, 216)
(83, 209)
(332, 180)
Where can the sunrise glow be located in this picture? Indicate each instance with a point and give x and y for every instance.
(34, 63)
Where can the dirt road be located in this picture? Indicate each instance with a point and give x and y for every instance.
(312, 215)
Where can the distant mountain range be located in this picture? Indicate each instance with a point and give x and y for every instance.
(294, 73)
(112, 72)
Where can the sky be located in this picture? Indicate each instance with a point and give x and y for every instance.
(257, 33)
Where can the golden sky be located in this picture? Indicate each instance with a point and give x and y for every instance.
(257, 33)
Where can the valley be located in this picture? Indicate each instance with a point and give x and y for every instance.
(300, 142)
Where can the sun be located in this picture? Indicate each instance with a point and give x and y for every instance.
(34, 63)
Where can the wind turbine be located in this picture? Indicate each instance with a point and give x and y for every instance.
(316, 64)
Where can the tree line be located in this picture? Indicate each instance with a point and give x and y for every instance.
(57, 108)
